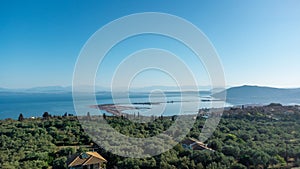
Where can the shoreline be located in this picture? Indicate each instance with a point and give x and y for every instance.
(113, 110)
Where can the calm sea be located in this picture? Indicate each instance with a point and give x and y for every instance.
(35, 104)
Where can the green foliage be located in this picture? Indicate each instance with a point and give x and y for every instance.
(35, 143)
(242, 140)
(215, 144)
(60, 163)
(279, 159)
(238, 166)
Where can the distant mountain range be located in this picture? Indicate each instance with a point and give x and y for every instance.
(235, 95)
(64, 89)
(47, 89)
(260, 95)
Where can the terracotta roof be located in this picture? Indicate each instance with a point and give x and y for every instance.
(97, 155)
(85, 159)
(200, 146)
(188, 141)
(195, 144)
(77, 161)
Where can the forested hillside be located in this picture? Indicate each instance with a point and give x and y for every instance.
(253, 137)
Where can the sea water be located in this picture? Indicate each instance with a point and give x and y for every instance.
(35, 104)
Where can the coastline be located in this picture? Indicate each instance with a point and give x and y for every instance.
(270, 110)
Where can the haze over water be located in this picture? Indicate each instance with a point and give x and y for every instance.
(35, 104)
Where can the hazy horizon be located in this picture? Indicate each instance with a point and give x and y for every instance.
(151, 86)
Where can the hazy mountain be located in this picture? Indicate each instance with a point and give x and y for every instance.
(50, 89)
(169, 88)
(63, 89)
(261, 95)
(2, 89)
(235, 95)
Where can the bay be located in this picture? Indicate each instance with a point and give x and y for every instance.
(35, 104)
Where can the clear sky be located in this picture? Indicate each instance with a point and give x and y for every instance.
(258, 42)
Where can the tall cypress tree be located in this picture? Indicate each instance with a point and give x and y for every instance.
(21, 118)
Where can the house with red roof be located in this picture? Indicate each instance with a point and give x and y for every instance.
(86, 160)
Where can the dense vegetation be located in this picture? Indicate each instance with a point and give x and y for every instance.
(258, 137)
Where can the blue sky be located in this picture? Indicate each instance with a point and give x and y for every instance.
(257, 41)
